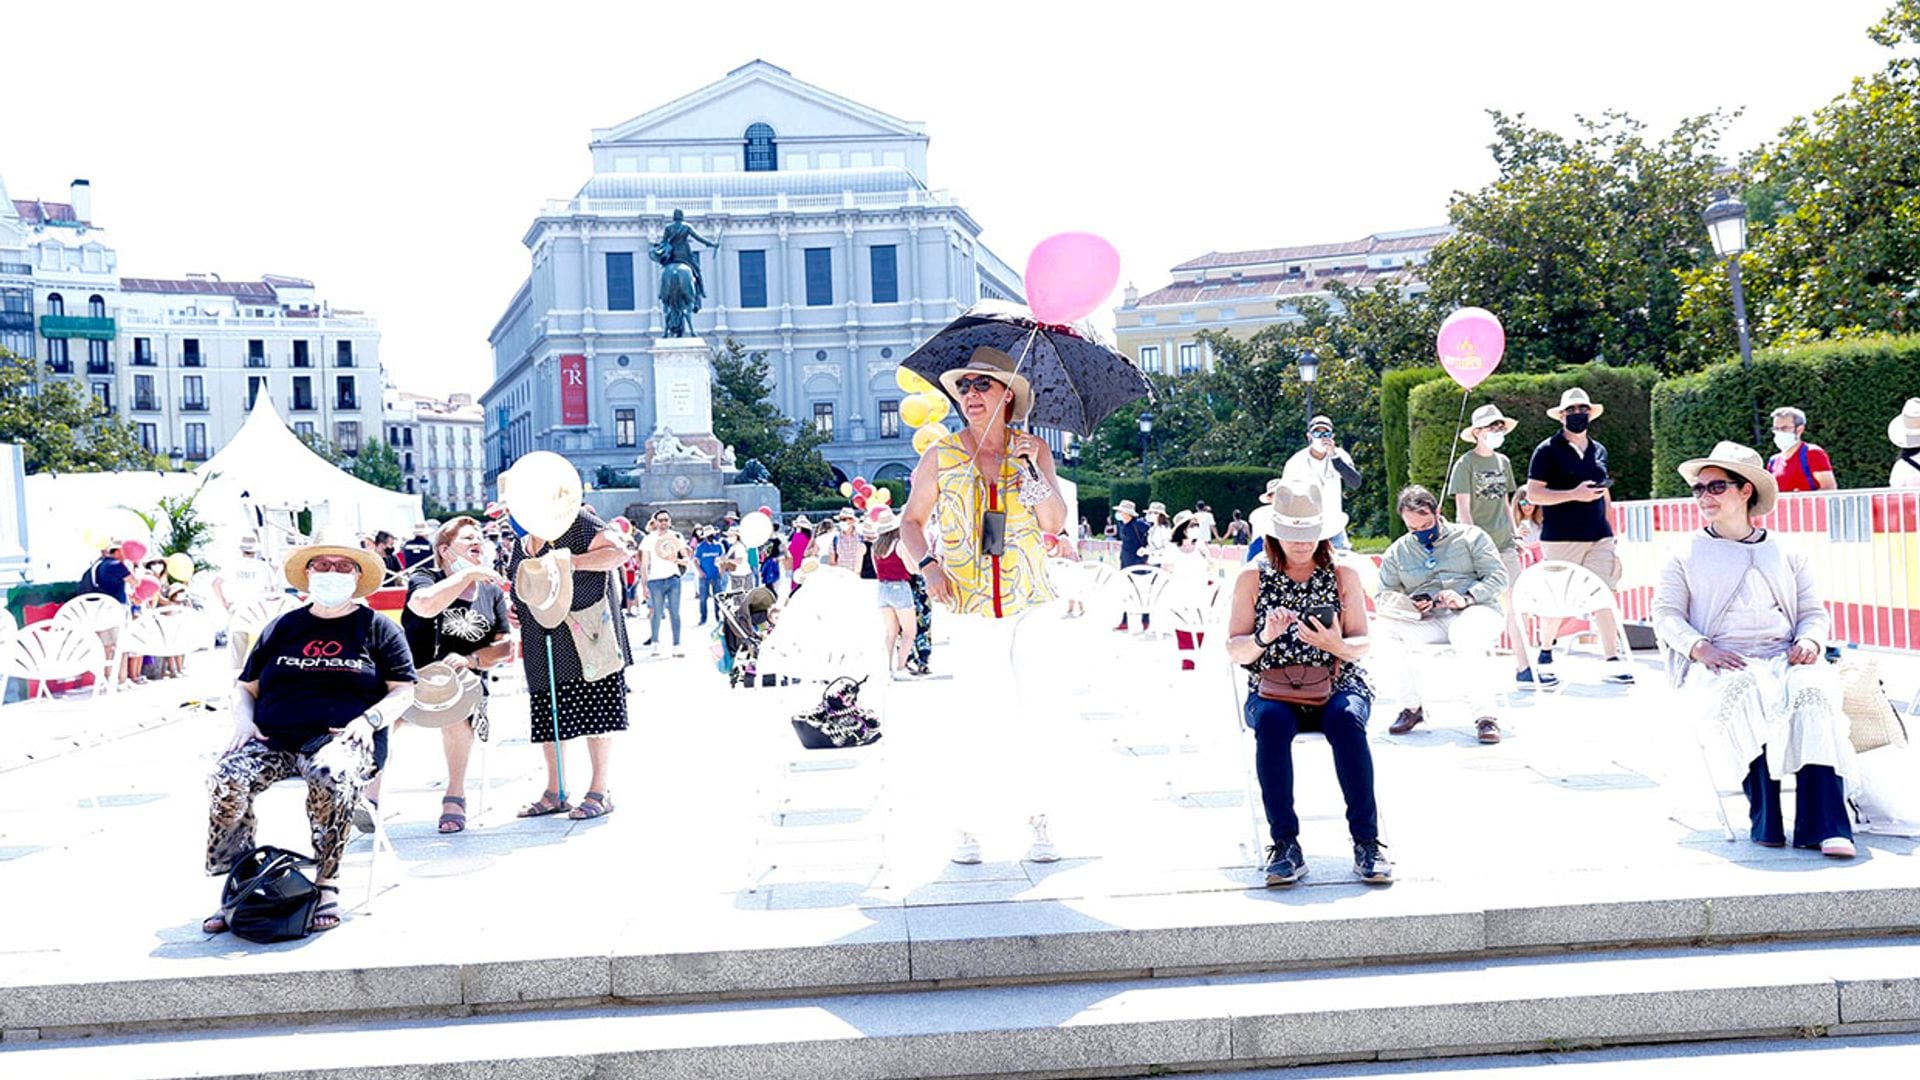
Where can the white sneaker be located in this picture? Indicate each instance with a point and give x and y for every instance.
(659, 651)
(967, 851)
(678, 651)
(1042, 850)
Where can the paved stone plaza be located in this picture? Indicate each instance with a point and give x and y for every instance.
(739, 866)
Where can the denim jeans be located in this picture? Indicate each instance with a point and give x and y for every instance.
(1343, 719)
(709, 590)
(1819, 807)
(663, 597)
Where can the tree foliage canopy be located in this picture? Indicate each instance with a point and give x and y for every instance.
(745, 419)
(60, 427)
(378, 465)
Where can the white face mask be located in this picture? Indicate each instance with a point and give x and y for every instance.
(1495, 440)
(331, 589)
(1785, 440)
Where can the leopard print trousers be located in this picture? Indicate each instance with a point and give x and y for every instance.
(334, 776)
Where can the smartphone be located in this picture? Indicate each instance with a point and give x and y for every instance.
(993, 532)
(1327, 615)
(1607, 483)
(1421, 597)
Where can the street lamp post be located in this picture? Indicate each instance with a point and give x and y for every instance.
(1146, 437)
(1309, 371)
(1726, 222)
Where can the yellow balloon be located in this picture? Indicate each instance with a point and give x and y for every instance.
(846, 489)
(924, 438)
(180, 566)
(880, 497)
(914, 411)
(937, 408)
(911, 382)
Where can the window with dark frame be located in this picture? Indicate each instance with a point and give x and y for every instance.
(303, 393)
(144, 397)
(190, 352)
(256, 352)
(886, 278)
(624, 428)
(889, 419)
(619, 281)
(193, 393)
(343, 396)
(301, 357)
(823, 418)
(819, 276)
(256, 385)
(343, 354)
(196, 442)
(753, 279)
(761, 151)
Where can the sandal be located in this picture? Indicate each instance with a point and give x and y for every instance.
(550, 802)
(215, 923)
(452, 822)
(363, 812)
(326, 915)
(592, 805)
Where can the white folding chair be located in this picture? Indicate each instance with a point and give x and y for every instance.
(164, 633)
(55, 652)
(249, 619)
(1553, 589)
(99, 614)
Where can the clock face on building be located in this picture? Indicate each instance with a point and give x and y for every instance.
(681, 486)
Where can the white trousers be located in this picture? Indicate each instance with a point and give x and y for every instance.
(1000, 735)
(1471, 631)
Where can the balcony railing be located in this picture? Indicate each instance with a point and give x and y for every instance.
(303, 405)
(194, 405)
(145, 403)
(16, 321)
(99, 367)
(60, 367)
(77, 326)
(196, 453)
(346, 403)
(343, 361)
(192, 359)
(143, 360)
(256, 361)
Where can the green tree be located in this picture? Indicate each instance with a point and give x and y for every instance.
(1833, 246)
(177, 519)
(60, 427)
(745, 419)
(323, 446)
(378, 465)
(1389, 329)
(1577, 243)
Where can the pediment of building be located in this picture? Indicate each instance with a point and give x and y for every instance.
(757, 93)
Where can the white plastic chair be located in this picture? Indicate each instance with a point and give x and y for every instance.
(1554, 589)
(55, 652)
(166, 632)
(96, 613)
(251, 618)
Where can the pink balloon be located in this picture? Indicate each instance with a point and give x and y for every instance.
(1069, 275)
(133, 551)
(146, 590)
(1470, 344)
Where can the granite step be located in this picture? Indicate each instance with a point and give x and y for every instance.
(752, 954)
(1114, 1028)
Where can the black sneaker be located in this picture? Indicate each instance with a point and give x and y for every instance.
(1529, 678)
(1370, 862)
(1285, 863)
(1545, 659)
(1617, 672)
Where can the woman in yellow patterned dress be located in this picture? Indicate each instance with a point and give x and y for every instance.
(982, 483)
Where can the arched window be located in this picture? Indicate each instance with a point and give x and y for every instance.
(97, 307)
(760, 154)
(56, 305)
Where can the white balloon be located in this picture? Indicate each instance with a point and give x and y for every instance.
(542, 492)
(756, 529)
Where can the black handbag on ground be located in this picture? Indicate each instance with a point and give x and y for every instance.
(839, 722)
(266, 897)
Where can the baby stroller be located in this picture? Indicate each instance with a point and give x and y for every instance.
(744, 622)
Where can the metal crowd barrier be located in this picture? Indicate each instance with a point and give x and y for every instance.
(1863, 546)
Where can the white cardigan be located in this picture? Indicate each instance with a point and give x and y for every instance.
(1699, 583)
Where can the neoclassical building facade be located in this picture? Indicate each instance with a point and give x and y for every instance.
(831, 255)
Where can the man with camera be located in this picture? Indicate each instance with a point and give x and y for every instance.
(1440, 584)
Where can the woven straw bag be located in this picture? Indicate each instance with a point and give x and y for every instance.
(1871, 719)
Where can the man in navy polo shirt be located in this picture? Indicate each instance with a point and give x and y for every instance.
(1568, 479)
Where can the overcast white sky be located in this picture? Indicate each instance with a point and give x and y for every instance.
(396, 152)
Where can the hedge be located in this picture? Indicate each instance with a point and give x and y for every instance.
(1848, 389)
(1625, 430)
(1140, 491)
(1395, 387)
(1224, 488)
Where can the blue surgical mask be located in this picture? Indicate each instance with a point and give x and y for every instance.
(1428, 537)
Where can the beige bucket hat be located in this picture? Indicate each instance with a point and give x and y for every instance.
(1487, 416)
(442, 696)
(1298, 515)
(1577, 396)
(1743, 462)
(545, 585)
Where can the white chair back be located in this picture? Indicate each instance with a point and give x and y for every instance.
(164, 632)
(1560, 590)
(54, 652)
(92, 612)
(252, 617)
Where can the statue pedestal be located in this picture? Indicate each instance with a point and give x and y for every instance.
(683, 392)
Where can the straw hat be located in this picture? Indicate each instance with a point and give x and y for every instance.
(1576, 396)
(1743, 462)
(802, 522)
(1298, 515)
(1904, 430)
(1181, 518)
(1487, 416)
(1126, 507)
(545, 584)
(879, 520)
(1157, 508)
(442, 696)
(998, 366)
(328, 540)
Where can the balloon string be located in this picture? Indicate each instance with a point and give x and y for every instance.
(1454, 444)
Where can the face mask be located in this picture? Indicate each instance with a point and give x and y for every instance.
(1576, 422)
(1428, 537)
(331, 589)
(1495, 440)
(1785, 440)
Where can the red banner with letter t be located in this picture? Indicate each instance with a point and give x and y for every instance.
(573, 389)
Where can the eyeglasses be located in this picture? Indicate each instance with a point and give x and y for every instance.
(1320, 433)
(975, 384)
(1578, 409)
(333, 566)
(1712, 487)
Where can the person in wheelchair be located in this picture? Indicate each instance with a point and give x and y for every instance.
(322, 680)
(1440, 584)
(1744, 631)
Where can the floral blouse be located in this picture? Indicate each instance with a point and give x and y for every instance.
(1277, 590)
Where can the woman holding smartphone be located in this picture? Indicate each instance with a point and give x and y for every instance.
(1300, 622)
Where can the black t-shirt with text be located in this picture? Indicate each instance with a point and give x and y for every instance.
(319, 674)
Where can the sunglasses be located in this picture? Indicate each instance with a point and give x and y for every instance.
(975, 384)
(1578, 409)
(1712, 487)
(1320, 433)
(334, 566)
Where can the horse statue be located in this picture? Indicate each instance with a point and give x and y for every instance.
(681, 288)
